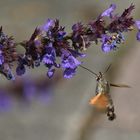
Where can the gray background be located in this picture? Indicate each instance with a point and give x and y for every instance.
(68, 116)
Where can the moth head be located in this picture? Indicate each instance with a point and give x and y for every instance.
(99, 76)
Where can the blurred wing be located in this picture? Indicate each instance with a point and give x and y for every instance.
(120, 85)
(100, 101)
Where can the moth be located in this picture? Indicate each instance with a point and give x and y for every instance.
(102, 99)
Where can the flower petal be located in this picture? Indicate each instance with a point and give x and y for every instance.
(69, 73)
(10, 75)
(5, 101)
(1, 58)
(20, 70)
(106, 48)
(109, 11)
(49, 57)
(138, 35)
(70, 62)
(137, 22)
(50, 23)
(50, 72)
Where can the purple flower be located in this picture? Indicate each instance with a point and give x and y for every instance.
(110, 42)
(50, 72)
(61, 34)
(106, 48)
(20, 70)
(49, 57)
(69, 73)
(50, 23)
(107, 43)
(8, 55)
(109, 11)
(10, 75)
(78, 30)
(80, 40)
(121, 37)
(1, 58)
(69, 63)
(122, 23)
(7, 72)
(78, 27)
(138, 35)
(5, 101)
(37, 42)
(33, 49)
(137, 22)
(1, 46)
(37, 62)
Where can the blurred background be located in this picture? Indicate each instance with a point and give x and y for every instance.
(35, 108)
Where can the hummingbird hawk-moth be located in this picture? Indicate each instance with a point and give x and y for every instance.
(102, 99)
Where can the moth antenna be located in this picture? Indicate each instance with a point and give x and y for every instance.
(88, 70)
(108, 68)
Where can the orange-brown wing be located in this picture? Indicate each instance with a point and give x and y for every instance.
(100, 101)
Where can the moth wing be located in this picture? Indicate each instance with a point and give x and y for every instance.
(100, 101)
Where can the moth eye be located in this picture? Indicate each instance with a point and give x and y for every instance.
(97, 78)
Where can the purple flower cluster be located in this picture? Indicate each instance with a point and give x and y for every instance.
(27, 90)
(117, 26)
(52, 46)
(7, 55)
(110, 42)
(5, 101)
(69, 63)
(47, 43)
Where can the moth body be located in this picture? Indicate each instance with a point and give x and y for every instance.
(102, 99)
